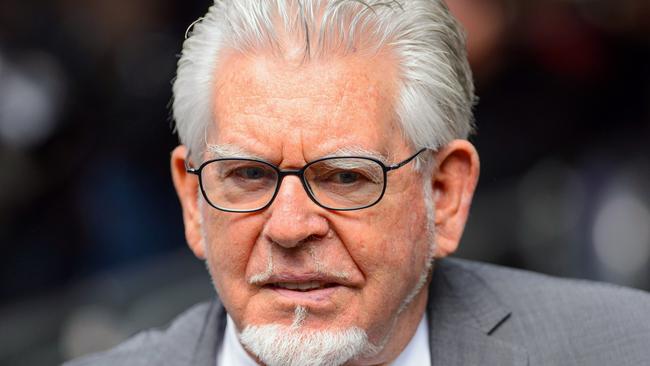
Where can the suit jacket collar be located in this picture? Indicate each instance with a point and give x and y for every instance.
(211, 337)
(463, 316)
(194, 339)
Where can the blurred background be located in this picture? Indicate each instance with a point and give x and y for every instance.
(91, 237)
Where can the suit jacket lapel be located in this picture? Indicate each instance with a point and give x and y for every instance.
(463, 313)
(211, 337)
(195, 340)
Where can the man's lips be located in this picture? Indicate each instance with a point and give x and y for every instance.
(311, 295)
(304, 288)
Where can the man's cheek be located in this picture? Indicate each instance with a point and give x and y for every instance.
(227, 270)
(378, 258)
(227, 255)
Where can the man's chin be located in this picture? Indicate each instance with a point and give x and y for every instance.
(298, 345)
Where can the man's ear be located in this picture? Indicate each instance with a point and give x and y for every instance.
(454, 182)
(187, 187)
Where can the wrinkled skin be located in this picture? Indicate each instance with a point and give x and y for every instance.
(290, 113)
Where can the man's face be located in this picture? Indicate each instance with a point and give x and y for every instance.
(364, 263)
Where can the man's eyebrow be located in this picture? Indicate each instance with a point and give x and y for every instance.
(214, 151)
(359, 151)
(229, 151)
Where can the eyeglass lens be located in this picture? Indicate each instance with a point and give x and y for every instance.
(337, 183)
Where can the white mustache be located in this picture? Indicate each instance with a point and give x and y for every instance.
(265, 275)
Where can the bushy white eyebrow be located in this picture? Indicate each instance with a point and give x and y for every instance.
(359, 151)
(221, 151)
(225, 151)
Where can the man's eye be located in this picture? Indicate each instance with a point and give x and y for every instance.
(347, 177)
(249, 173)
(344, 177)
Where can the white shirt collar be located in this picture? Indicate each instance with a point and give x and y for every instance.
(416, 352)
(232, 353)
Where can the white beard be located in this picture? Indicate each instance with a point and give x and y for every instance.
(278, 345)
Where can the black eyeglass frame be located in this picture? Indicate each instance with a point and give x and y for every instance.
(300, 173)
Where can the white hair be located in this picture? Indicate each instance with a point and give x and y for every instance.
(279, 345)
(436, 94)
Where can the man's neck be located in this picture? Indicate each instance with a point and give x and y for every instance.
(402, 331)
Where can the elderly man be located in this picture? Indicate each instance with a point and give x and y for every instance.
(324, 174)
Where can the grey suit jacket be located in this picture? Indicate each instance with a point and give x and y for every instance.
(479, 314)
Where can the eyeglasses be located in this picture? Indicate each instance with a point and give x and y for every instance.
(336, 183)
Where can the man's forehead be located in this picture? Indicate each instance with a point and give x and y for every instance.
(248, 77)
(265, 109)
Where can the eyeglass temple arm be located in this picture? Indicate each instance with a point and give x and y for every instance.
(402, 163)
(188, 168)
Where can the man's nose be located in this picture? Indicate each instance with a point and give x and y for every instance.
(294, 218)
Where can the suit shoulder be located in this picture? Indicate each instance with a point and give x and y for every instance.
(133, 351)
(565, 319)
(525, 288)
(151, 346)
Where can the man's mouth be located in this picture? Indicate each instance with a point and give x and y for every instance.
(309, 292)
(302, 286)
(309, 297)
